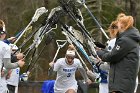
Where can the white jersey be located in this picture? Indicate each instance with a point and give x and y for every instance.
(3, 84)
(5, 52)
(14, 78)
(111, 44)
(66, 75)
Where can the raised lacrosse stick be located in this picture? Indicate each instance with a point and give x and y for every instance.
(83, 3)
(50, 70)
(37, 14)
(71, 42)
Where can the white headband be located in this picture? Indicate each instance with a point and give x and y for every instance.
(70, 53)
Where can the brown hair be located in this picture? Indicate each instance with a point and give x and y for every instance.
(113, 29)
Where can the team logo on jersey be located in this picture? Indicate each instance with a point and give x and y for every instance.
(109, 48)
(117, 47)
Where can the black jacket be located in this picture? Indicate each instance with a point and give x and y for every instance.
(124, 61)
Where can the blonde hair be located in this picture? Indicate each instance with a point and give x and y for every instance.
(71, 47)
(127, 22)
(120, 15)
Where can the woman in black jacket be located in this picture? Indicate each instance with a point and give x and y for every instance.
(124, 57)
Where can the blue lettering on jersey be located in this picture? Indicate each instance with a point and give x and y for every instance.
(69, 69)
(17, 71)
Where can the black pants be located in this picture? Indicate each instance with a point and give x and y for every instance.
(11, 88)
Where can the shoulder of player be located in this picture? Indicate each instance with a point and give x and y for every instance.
(60, 60)
(4, 45)
(76, 60)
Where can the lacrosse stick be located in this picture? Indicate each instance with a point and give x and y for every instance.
(97, 23)
(68, 9)
(50, 70)
(30, 67)
(78, 44)
(37, 14)
(81, 60)
(44, 29)
(77, 34)
(52, 19)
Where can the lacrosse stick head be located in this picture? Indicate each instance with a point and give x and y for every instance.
(38, 13)
(53, 11)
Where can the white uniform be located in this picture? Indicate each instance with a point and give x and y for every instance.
(3, 81)
(103, 87)
(5, 52)
(14, 78)
(66, 75)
